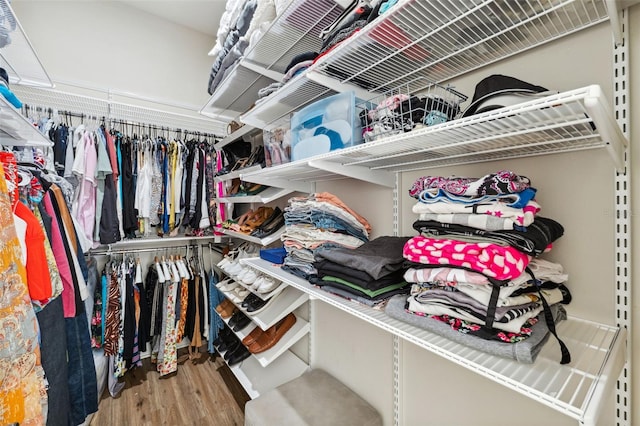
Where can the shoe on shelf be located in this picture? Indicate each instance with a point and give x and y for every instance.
(250, 299)
(227, 313)
(249, 277)
(258, 305)
(229, 287)
(225, 261)
(241, 323)
(223, 305)
(227, 342)
(242, 292)
(252, 336)
(245, 270)
(268, 284)
(223, 334)
(223, 283)
(239, 355)
(272, 335)
(231, 348)
(235, 317)
(235, 269)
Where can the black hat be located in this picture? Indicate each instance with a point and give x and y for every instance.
(4, 75)
(494, 86)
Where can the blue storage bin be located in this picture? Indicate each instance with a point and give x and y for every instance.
(325, 125)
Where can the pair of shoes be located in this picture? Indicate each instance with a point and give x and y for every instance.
(223, 306)
(272, 228)
(227, 310)
(258, 218)
(250, 300)
(224, 334)
(252, 336)
(266, 284)
(231, 347)
(269, 226)
(229, 285)
(258, 305)
(239, 321)
(272, 335)
(247, 276)
(227, 340)
(240, 354)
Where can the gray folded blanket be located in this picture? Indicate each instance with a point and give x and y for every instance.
(524, 351)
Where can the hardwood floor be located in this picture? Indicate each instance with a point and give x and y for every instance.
(202, 393)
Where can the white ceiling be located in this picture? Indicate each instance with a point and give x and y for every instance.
(199, 15)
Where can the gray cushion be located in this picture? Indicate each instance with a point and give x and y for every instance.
(315, 398)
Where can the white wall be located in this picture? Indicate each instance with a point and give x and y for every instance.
(109, 45)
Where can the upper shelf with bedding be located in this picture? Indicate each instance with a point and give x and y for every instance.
(296, 30)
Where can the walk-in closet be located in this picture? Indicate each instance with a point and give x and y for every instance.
(318, 212)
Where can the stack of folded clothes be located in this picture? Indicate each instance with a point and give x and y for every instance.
(474, 266)
(369, 274)
(320, 220)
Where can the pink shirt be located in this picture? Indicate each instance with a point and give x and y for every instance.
(57, 245)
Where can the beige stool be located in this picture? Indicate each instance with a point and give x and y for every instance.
(315, 398)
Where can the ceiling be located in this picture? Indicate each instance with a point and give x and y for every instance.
(199, 15)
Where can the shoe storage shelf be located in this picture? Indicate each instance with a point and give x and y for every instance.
(264, 197)
(598, 353)
(288, 300)
(237, 173)
(16, 130)
(569, 121)
(295, 31)
(414, 41)
(295, 333)
(266, 295)
(19, 58)
(237, 135)
(263, 242)
(256, 380)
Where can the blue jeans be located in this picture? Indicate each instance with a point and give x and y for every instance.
(53, 350)
(83, 386)
(324, 220)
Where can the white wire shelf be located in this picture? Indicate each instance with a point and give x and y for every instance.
(256, 380)
(264, 197)
(236, 173)
(574, 389)
(238, 134)
(294, 95)
(235, 94)
(295, 31)
(569, 121)
(16, 130)
(415, 39)
(263, 242)
(415, 42)
(18, 57)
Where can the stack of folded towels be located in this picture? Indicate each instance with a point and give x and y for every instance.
(474, 267)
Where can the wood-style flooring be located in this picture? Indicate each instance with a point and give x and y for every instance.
(202, 392)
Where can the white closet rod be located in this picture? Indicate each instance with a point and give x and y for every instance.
(110, 252)
(141, 125)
